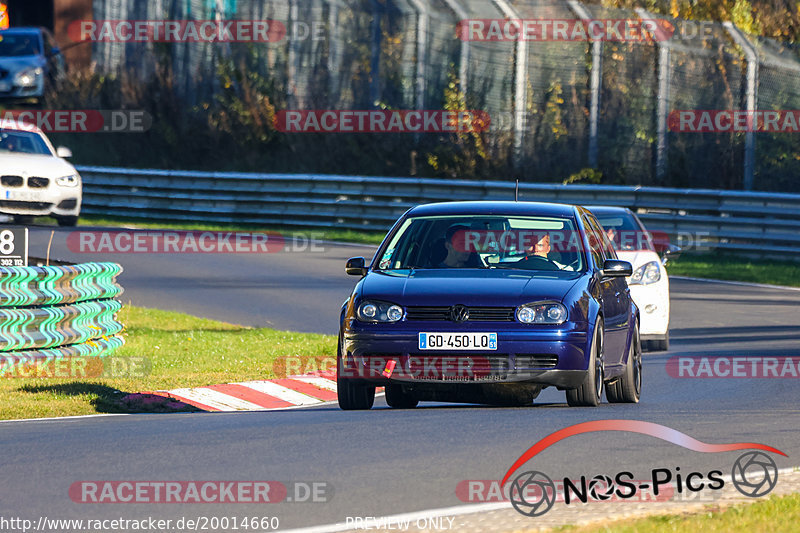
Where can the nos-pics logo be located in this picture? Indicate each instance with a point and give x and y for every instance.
(533, 493)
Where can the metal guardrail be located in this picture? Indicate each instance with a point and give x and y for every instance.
(54, 312)
(764, 224)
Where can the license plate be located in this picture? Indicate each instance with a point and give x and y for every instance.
(458, 341)
(23, 196)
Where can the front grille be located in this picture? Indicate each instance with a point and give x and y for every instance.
(536, 360)
(11, 181)
(38, 183)
(459, 367)
(476, 314)
(34, 206)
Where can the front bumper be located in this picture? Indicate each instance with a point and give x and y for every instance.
(653, 303)
(545, 355)
(52, 200)
(9, 91)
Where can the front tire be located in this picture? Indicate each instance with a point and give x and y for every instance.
(67, 221)
(23, 220)
(352, 396)
(397, 399)
(659, 345)
(628, 388)
(590, 393)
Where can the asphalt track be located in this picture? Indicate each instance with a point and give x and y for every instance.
(385, 462)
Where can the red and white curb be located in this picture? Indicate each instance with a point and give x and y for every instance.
(286, 393)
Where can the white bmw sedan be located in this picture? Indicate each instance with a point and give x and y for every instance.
(649, 283)
(35, 180)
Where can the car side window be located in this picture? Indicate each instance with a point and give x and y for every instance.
(595, 243)
(607, 247)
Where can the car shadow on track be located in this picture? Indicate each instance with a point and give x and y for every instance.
(738, 335)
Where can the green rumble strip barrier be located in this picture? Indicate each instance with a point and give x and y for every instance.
(53, 312)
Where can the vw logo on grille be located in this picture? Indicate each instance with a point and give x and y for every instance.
(459, 313)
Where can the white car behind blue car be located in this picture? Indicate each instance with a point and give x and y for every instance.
(35, 180)
(649, 283)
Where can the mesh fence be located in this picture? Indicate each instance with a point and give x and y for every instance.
(705, 73)
(404, 54)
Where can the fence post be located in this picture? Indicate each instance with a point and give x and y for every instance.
(291, 60)
(752, 101)
(463, 60)
(422, 52)
(663, 99)
(520, 85)
(663, 109)
(595, 82)
(375, 59)
(334, 53)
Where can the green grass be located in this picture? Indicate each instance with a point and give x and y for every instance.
(773, 515)
(733, 268)
(343, 235)
(184, 351)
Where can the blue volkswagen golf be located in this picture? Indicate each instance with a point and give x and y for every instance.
(490, 302)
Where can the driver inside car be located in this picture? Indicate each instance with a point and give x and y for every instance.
(537, 257)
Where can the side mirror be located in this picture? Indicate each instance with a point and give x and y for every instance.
(672, 252)
(63, 152)
(356, 266)
(54, 52)
(614, 268)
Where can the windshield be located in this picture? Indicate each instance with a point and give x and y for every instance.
(23, 142)
(16, 45)
(625, 232)
(487, 242)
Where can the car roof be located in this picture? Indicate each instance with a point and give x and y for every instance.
(17, 125)
(23, 31)
(607, 210)
(494, 208)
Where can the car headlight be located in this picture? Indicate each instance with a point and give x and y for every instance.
(371, 311)
(646, 274)
(69, 181)
(27, 77)
(542, 313)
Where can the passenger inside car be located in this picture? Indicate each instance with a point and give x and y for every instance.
(457, 255)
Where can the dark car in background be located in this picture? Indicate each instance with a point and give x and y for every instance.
(29, 62)
(490, 302)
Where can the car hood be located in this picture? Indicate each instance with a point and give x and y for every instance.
(638, 258)
(491, 287)
(17, 63)
(45, 166)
